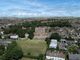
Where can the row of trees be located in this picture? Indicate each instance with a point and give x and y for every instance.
(50, 24)
(61, 24)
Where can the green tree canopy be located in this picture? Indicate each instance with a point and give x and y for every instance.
(55, 36)
(73, 49)
(13, 52)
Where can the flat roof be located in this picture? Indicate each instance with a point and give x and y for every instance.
(53, 43)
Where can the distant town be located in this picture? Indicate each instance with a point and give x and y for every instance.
(55, 38)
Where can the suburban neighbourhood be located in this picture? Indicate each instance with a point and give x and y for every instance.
(39, 29)
(42, 39)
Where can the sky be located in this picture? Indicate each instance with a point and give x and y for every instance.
(39, 8)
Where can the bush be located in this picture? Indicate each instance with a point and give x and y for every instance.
(47, 41)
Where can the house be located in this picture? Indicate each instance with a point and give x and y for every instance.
(63, 32)
(14, 36)
(53, 43)
(4, 42)
(41, 32)
(2, 32)
(23, 28)
(26, 35)
(70, 42)
(63, 44)
(79, 51)
(55, 55)
(78, 34)
(63, 40)
(74, 56)
(2, 36)
(78, 41)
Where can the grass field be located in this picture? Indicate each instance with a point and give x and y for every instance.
(28, 59)
(32, 47)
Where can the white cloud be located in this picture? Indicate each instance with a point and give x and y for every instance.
(31, 8)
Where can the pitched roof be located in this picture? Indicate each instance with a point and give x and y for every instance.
(74, 56)
(55, 53)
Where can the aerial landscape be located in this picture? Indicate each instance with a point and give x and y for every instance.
(40, 30)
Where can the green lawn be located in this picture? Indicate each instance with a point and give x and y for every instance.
(32, 47)
(28, 59)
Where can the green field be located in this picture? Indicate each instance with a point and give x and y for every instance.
(27, 59)
(32, 47)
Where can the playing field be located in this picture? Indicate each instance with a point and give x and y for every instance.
(28, 59)
(32, 47)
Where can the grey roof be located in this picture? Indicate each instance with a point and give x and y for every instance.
(55, 54)
(74, 56)
(79, 51)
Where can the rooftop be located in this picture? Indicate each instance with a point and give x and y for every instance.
(74, 56)
(55, 54)
(53, 43)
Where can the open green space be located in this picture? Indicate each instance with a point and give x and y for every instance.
(27, 59)
(32, 47)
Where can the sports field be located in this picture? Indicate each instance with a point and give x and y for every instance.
(32, 47)
(28, 59)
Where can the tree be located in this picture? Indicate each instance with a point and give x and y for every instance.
(61, 23)
(47, 41)
(41, 57)
(21, 33)
(31, 35)
(13, 52)
(73, 49)
(55, 36)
